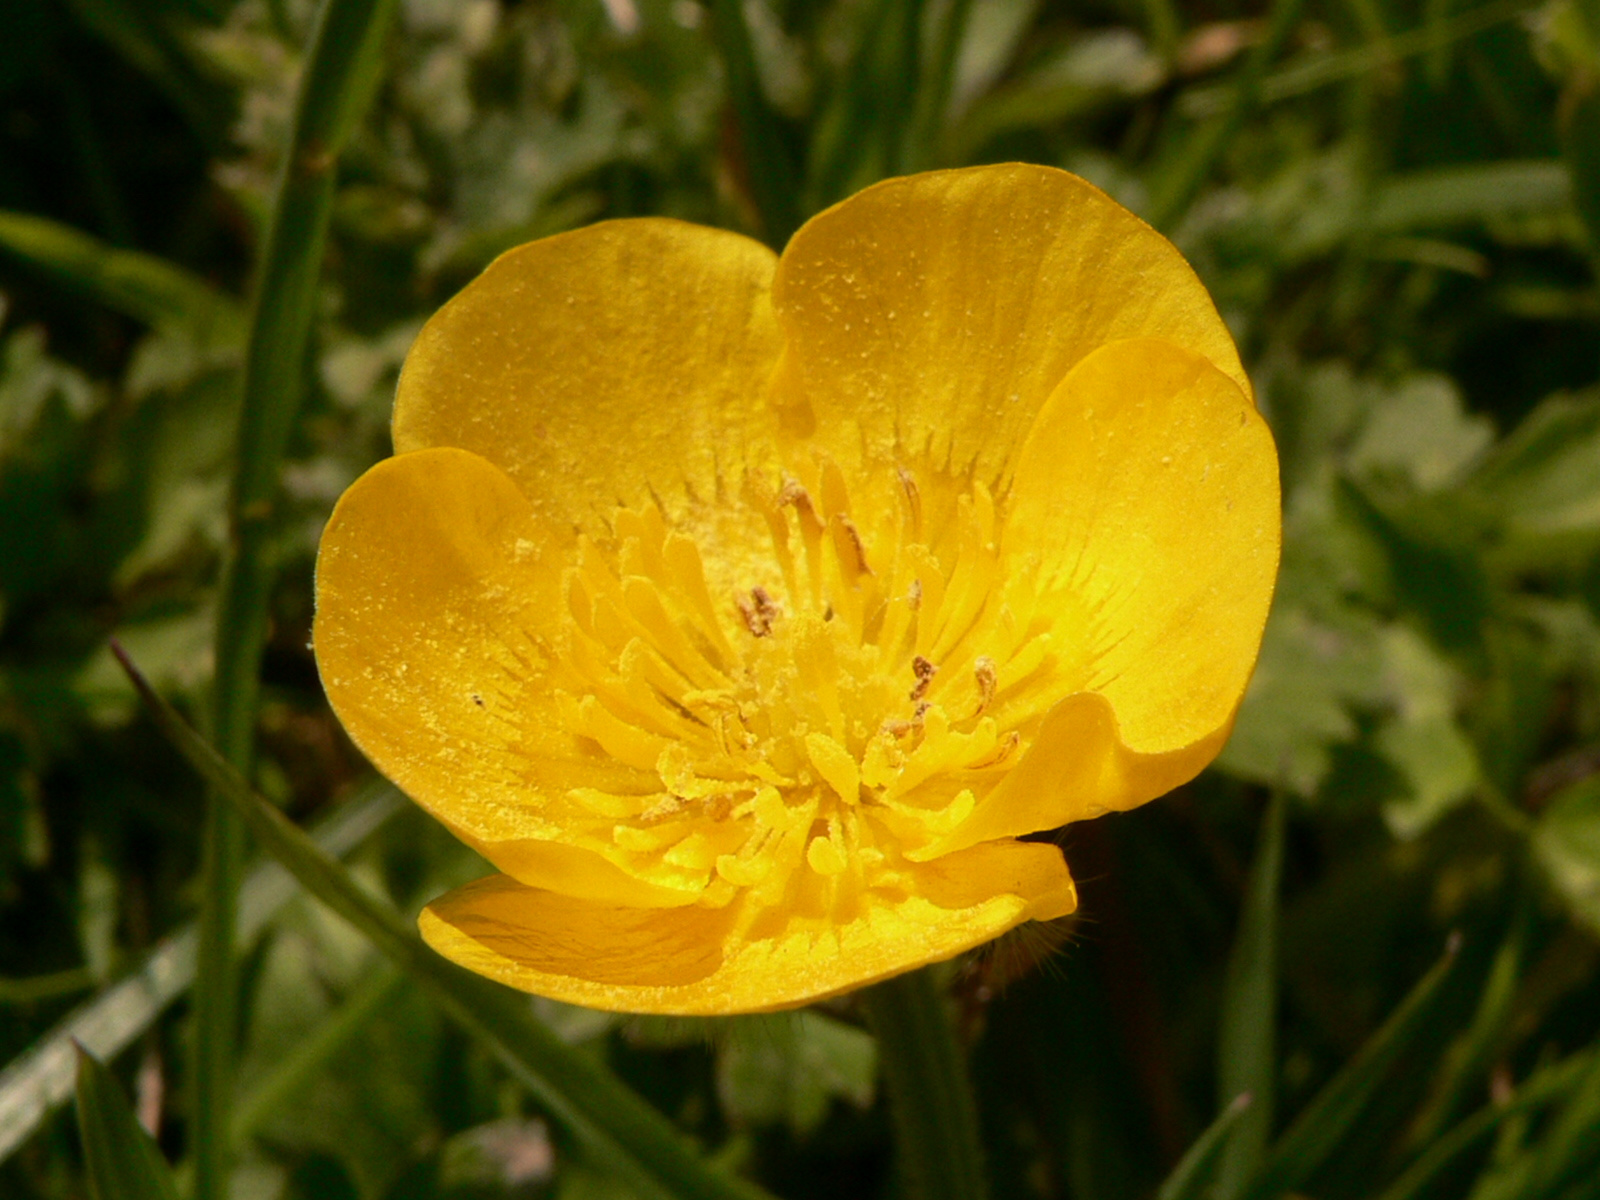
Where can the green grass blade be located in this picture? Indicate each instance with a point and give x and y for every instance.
(1247, 1060)
(290, 1077)
(141, 286)
(40, 1079)
(1333, 1112)
(1341, 65)
(1571, 1148)
(1470, 1058)
(620, 1132)
(1193, 1173)
(122, 1162)
(1542, 1089)
(860, 136)
(138, 34)
(932, 107)
(1179, 180)
(772, 177)
(340, 74)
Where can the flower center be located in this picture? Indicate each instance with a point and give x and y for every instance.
(799, 695)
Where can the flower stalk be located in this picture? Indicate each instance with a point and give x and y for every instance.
(931, 1105)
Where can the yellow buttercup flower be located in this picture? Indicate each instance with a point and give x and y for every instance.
(744, 611)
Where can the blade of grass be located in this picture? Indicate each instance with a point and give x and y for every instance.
(933, 97)
(620, 1132)
(40, 1079)
(1571, 1148)
(1544, 1087)
(1193, 1173)
(1469, 1059)
(858, 138)
(136, 33)
(141, 286)
(310, 1057)
(1178, 181)
(773, 184)
(1340, 65)
(1247, 1057)
(1322, 1125)
(930, 1093)
(121, 1161)
(341, 71)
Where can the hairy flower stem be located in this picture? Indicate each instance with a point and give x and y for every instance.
(930, 1095)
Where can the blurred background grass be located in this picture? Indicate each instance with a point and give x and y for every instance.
(1396, 204)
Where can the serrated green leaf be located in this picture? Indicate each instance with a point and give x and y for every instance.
(786, 1068)
(1543, 481)
(1421, 739)
(122, 1162)
(1307, 679)
(1566, 843)
(1323, 1124)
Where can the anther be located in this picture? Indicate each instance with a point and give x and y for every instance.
(793, 493)
(984, 670)
(1006, 748)
(925, 671)
(759, 612)
(913, 500)
(852, 536)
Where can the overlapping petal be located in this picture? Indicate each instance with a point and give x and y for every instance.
(598, 365)
(935, 313)
(689, 960)
(438, 599)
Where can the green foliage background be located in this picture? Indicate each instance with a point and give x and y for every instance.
(1397, 206)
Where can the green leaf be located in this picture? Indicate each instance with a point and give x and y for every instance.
(1323, 1124)
(1543, 482)
(617, 1129)
(1247, 1061)
(1580, 148)
(122, 1162)
(1566, 843)
(1190, 1177)
(787, 1067)
(138, 285)
(1298, 707)
(1421, 739)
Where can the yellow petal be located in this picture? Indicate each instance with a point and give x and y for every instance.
(691, 961)
(1149, 488)
(937, 312)
(596, 365)
(1079, 767)
(437, 587)
(1147, 495)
